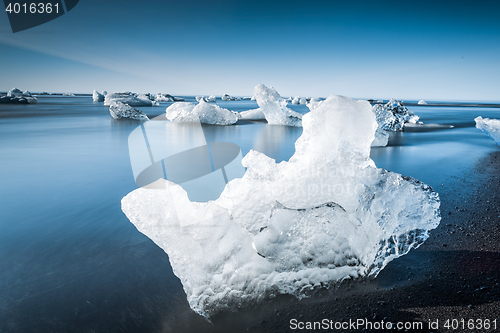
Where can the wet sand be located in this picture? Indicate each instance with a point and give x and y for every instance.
(454, 275)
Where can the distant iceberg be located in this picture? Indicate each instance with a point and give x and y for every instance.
(422, 102)
(313, 104)
(274, 107)
(163, 98)
(490, 127)
(210, 99)
(296, 100)
(393, 115)
(167, 98)
(226, 97)
(17, 96)
(206, 113)
(129, 98)
(325, 216)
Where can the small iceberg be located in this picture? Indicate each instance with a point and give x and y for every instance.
(381, 138)
(17, 96)
(422, 102)
(255, 114)
(490, 127)
(97, 96)
(167, 98)
(163, 98)
(68, 94)
(202, 112)
(119, 110)
(274, 107)
(393, 115)
(325, 216)
(226, 97)
(129, 98)
(210, 99)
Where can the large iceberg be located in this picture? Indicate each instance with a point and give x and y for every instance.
(326, 215)
(119, 110)
(393, 115)
(129, 98)
(490, 127)
(16, 95)
(206, 113)
(274, 107)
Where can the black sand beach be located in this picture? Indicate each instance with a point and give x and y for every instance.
(453, 278)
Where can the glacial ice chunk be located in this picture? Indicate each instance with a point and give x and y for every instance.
(313, 104)
(128, 98)
(97, 96)
(255, 114)
(16, 95)
(226, 97)
(274, 107)
(490, 127)
(326, 215)
(15, 92)
(168, 98)
(422, 102)
(381, 138)
(202, 112)
(303, 101)
(296, 100)
(393, 115)
(163, 98)
(209, 99)
(119, 110)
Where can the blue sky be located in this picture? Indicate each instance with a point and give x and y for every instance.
(361, 49)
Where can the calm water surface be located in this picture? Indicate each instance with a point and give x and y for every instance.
(70, 261)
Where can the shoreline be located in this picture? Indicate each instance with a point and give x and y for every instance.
(455, 274)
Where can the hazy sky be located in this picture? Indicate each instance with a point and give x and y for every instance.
(362, 49)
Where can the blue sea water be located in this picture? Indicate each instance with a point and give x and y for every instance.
(69, 258)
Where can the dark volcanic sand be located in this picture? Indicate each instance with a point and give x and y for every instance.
(455, 274)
